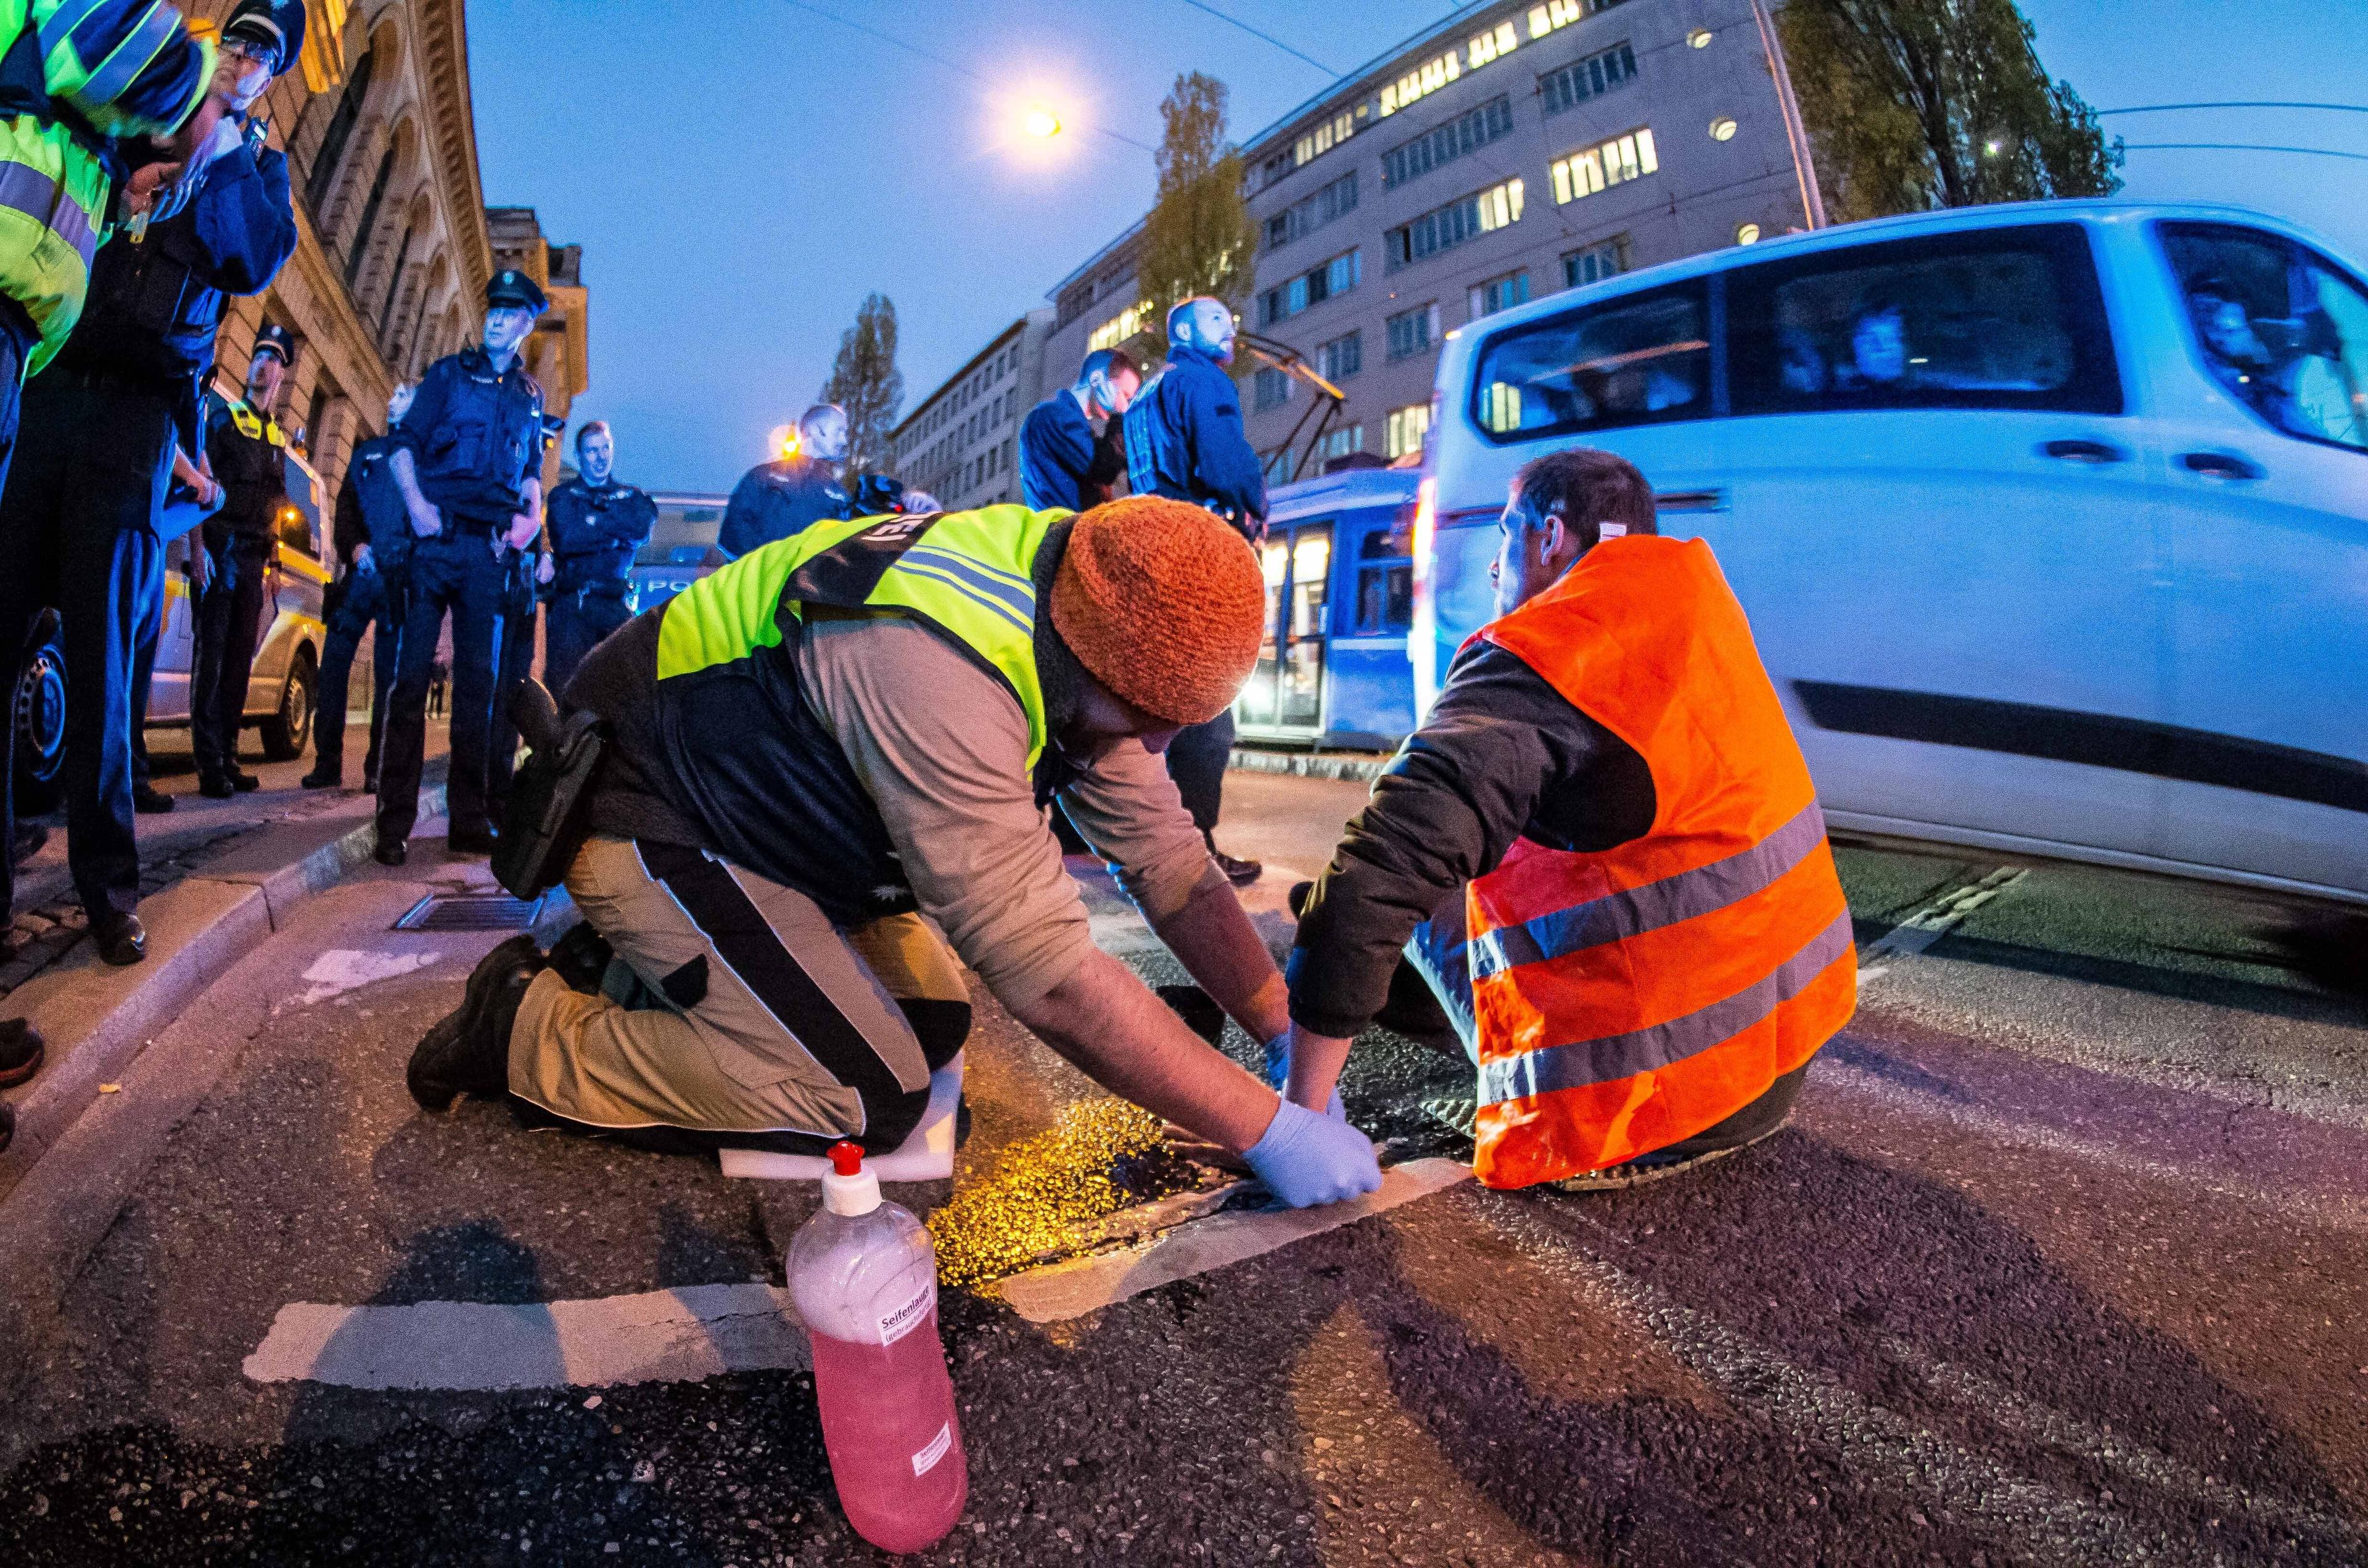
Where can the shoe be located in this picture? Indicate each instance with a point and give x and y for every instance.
(216, 785)
(30, 839)
(468, 1052)
(390, 852)
(581, 957)
(149, 801)
(243, 782)
(316, 779)
(7, 1127)
(1241, 874)
(120, 939)
(1651, 1168)
(21, 1050)
(1297, 898)
(470, 841)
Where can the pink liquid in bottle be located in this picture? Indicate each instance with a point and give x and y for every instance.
(865, 1277)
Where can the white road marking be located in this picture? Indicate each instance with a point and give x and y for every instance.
(341, 969)
(683, 1335)
(1933, 921)
(1076, 1286)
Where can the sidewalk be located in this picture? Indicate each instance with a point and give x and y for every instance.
(216, 877)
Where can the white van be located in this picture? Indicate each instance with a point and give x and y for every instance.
(2052, 519)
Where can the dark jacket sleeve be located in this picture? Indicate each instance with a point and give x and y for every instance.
(429, 406)
(351, 530)
(633, 524)
(1446, 811)
(245, 230)
(744, 516)
(1222, 457)
(1054, 454)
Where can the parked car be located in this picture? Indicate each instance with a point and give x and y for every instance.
(2052, 519)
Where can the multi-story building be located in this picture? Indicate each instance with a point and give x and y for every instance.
(961, 442)
(1510, 152)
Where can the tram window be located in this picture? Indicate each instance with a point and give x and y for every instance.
(1384, 585)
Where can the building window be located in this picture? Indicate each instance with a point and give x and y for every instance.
(1446, 227)
(1405, 430)
(1340, 443)
(1617, 160)
(1305, 216)
(1342, 358)
(1412, 332)
(1499, 294)
(1118, 328)
(1466, 134)
(1285, 301)
(359, 247)
(1583, 79)
(1484, 47)
(1323, 138)
(1421, 82)
(1596, 263)
(1557, 15)
(323, 177)
(1271, 389)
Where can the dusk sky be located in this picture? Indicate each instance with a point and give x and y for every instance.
(741, 172)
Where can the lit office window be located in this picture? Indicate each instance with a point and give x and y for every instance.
(1596, 263)
(1421, 82)
(1485, 47)
(1310, 213)
(1466, 134)
(1342, 358)
(1285, 301)
(1557, 15)
(1414, 331)
(1118, 328)
(1616, 162)
(1583, 79)
(1499, 294)
(1405, 430)
(1325, 136)
(1446, 227)
(1271, 389)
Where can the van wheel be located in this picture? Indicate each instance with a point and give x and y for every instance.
(37, 709)
(287, 732)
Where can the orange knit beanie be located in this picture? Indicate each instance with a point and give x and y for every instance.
(1163, 604)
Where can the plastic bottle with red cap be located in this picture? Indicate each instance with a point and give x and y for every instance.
(865, 1280)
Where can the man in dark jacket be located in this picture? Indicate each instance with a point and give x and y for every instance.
(597, 526)
(1185, 440)
(1061, 462)
(775, 500)
(373, 543)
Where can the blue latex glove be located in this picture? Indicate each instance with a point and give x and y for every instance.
(1278, 1074)
(1306, 1159)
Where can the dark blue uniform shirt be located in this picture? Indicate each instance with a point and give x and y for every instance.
(774, 501)
(1185, 440)
(1056, 447)
(475, 438)
(596, 531)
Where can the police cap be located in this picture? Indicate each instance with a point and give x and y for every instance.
(511, 287)
(273, 339)
(274, 24)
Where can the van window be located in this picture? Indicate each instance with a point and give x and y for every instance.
(2281, 328)
(1640, 361)
(1994, 318)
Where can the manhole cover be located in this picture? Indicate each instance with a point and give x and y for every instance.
(469, 912)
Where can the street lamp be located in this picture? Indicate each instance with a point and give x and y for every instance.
(1041, 122)
(783, 441)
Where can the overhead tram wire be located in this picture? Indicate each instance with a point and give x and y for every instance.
(953, 66)
(2238, 147)
(1269, 38)
(2166, 108)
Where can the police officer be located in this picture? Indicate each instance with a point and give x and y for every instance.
(99, 428)
(776, 499)
(1185, 440)
(372, 541)
(247, 452)
(1061, 462)
(596, 527)
(468, 460)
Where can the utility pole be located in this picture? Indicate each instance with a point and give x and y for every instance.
(1813, 200)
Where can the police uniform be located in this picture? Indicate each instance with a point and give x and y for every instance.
(475, 437)
(248, 453)
(596, 531)
(780, 500)
(362, 602)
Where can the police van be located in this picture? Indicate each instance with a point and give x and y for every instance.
(2052, 519)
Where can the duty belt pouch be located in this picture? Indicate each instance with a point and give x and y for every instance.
(544, 825)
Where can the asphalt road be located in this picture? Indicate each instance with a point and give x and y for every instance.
(2065, 1260)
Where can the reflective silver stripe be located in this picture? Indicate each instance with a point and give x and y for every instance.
(1021, 600)
(26, 189)
(947, 580)
(1702, 890)
(1621, 1056)
(63, 21)
(119, 70)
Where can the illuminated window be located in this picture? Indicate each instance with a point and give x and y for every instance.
(1485, 47)
(1412, 331)
(1583, 79)
(1285, 301)
(1325, 136)
(1596, 263)
(1499, 294)
(1305, 216)
(1342, 358)
(1421, 82)
(1446, 227)
(1405, 429)
(1747, 234)
(1466, 134)
(1722, 129)
(1616, 162)
(1340, 443)
(1557, 15)
(1118, 328)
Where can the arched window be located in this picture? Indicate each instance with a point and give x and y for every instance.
(394, 280)
(341, 129)
(359, 247)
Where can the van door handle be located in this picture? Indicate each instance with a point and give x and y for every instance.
(2079, 452)
(2220, 465)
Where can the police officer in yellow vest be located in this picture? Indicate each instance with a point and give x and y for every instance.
(849, 729)
(247, 452)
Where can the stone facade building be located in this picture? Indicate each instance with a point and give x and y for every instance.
(962, 444)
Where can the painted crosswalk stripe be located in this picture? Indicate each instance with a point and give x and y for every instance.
(1934, 920)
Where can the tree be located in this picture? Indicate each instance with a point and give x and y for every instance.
(864, 381)
(1917, 104)
(1198, 238)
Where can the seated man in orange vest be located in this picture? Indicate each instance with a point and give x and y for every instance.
(1606, 849)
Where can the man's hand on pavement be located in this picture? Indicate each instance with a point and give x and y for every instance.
(1306, 1159)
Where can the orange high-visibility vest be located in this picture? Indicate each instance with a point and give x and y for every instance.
(1630, 998)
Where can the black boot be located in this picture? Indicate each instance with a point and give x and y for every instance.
(21, 1050)
(322, 779)
(468, 1052)
(149, 801)
(242, 780)
(581, 957)
(216, 785)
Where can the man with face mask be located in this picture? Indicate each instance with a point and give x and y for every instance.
(1606, 849)
(1062, 463)
(596, 527)
(468, 462)
(371, 541)
(845, 732)
(777, 500)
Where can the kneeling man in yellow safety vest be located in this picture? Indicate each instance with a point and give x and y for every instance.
(1603, 851)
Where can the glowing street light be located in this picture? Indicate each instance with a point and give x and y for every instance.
(1041, 122)
(783, 440)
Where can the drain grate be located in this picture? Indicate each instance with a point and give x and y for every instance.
(469, 912)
